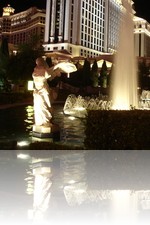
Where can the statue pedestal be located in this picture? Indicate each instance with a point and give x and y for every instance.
(53, 131)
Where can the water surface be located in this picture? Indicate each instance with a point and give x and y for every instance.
(16, 124)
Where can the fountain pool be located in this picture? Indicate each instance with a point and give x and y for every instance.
(16, 124)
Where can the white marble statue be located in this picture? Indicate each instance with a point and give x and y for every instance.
(41, 93)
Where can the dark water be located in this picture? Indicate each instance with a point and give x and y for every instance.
(16, 124)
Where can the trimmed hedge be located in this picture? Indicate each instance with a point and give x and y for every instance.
(117, 129)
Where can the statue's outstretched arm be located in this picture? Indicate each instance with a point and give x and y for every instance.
(52, 72)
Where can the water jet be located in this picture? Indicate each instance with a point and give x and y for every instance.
(124, 79)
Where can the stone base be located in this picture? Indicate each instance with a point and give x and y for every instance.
(47, 132)
(42, 129)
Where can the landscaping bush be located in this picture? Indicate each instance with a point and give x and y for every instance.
(115, 129)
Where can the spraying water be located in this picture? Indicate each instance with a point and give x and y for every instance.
(124, 84)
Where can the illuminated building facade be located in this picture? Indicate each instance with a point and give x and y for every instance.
(141, 37)
(83, 27)
(89, 27)
(86, 28)
(20, 27)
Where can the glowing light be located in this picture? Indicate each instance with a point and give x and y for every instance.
(14, 52)
(23, 156)
(8, 10)
(71, 117)
(79, 108)
(71, 182)
(23, 143)
(30, 85)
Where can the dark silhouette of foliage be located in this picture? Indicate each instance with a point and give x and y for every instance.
(22, 64)
(94, 74)
(74, 79)
(103, 75)
(4, 59)
(86, 74)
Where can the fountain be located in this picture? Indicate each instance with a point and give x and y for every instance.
(144, 102)
(121, 125)
(124, 90)
(123, 93)
(78, 106)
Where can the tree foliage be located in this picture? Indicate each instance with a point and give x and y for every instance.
(22, 64)
(86, 73)
(4, 60)
(94, 74)
(103, 75)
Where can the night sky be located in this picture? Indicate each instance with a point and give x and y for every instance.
(141, 6)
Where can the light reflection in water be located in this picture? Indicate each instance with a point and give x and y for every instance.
(75, 187)
(29, 118)
(124, 207)
(72, 129)
(16, 124)
(75, 190)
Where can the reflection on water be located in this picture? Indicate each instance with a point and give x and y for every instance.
(72, 129)
(75, 187)
(29, 118)
(16, 124)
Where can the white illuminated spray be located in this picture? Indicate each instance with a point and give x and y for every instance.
(124, 81)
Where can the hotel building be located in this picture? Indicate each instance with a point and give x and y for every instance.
(20, 27)
(86, 28)
(90, 27)
(141, 37)
(83, 27)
